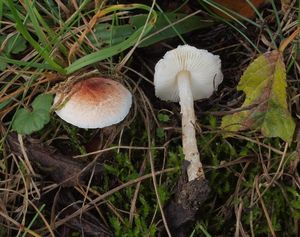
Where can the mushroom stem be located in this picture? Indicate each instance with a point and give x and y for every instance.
(189, 143)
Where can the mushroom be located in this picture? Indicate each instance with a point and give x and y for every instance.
(186, 74)
(94, 103)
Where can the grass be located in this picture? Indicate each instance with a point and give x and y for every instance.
(254, 179)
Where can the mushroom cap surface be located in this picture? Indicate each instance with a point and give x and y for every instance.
(204, 69)
(94, 103)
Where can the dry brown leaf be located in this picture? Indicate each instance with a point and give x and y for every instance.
(239, 6)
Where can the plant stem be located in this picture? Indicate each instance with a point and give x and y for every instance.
(189, 144)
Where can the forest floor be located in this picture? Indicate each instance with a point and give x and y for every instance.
(60, 180)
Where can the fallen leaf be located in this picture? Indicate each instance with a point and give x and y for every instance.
(265, 106)
(239, 6)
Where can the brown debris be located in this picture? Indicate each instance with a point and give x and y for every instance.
(182, 210)
(47, 160)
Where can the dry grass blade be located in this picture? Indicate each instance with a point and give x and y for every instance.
(22, 228)
(29, 202)
(276, 175)
(135, 196)
(102, 197)
(264, 209)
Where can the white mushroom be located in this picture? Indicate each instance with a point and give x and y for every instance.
(94, 103)
(186, 74)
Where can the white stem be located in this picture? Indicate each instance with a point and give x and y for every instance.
(189, 144)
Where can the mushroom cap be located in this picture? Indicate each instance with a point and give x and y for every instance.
(204, 69)
(94, 103)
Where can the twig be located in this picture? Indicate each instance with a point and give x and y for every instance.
(118, 147)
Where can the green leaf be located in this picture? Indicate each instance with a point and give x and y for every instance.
(15, 44)
(160, 133)
(295, 204)
(27, 122)
(107, 52)
(182, 27)
(104, 53)
(163, 117)
(23, 29)
(2, 65)
(265, 106)
(4, 60)
(42, 102)
(5, 102)
(106, 34)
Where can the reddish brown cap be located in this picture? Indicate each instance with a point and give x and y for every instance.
(95, 103)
